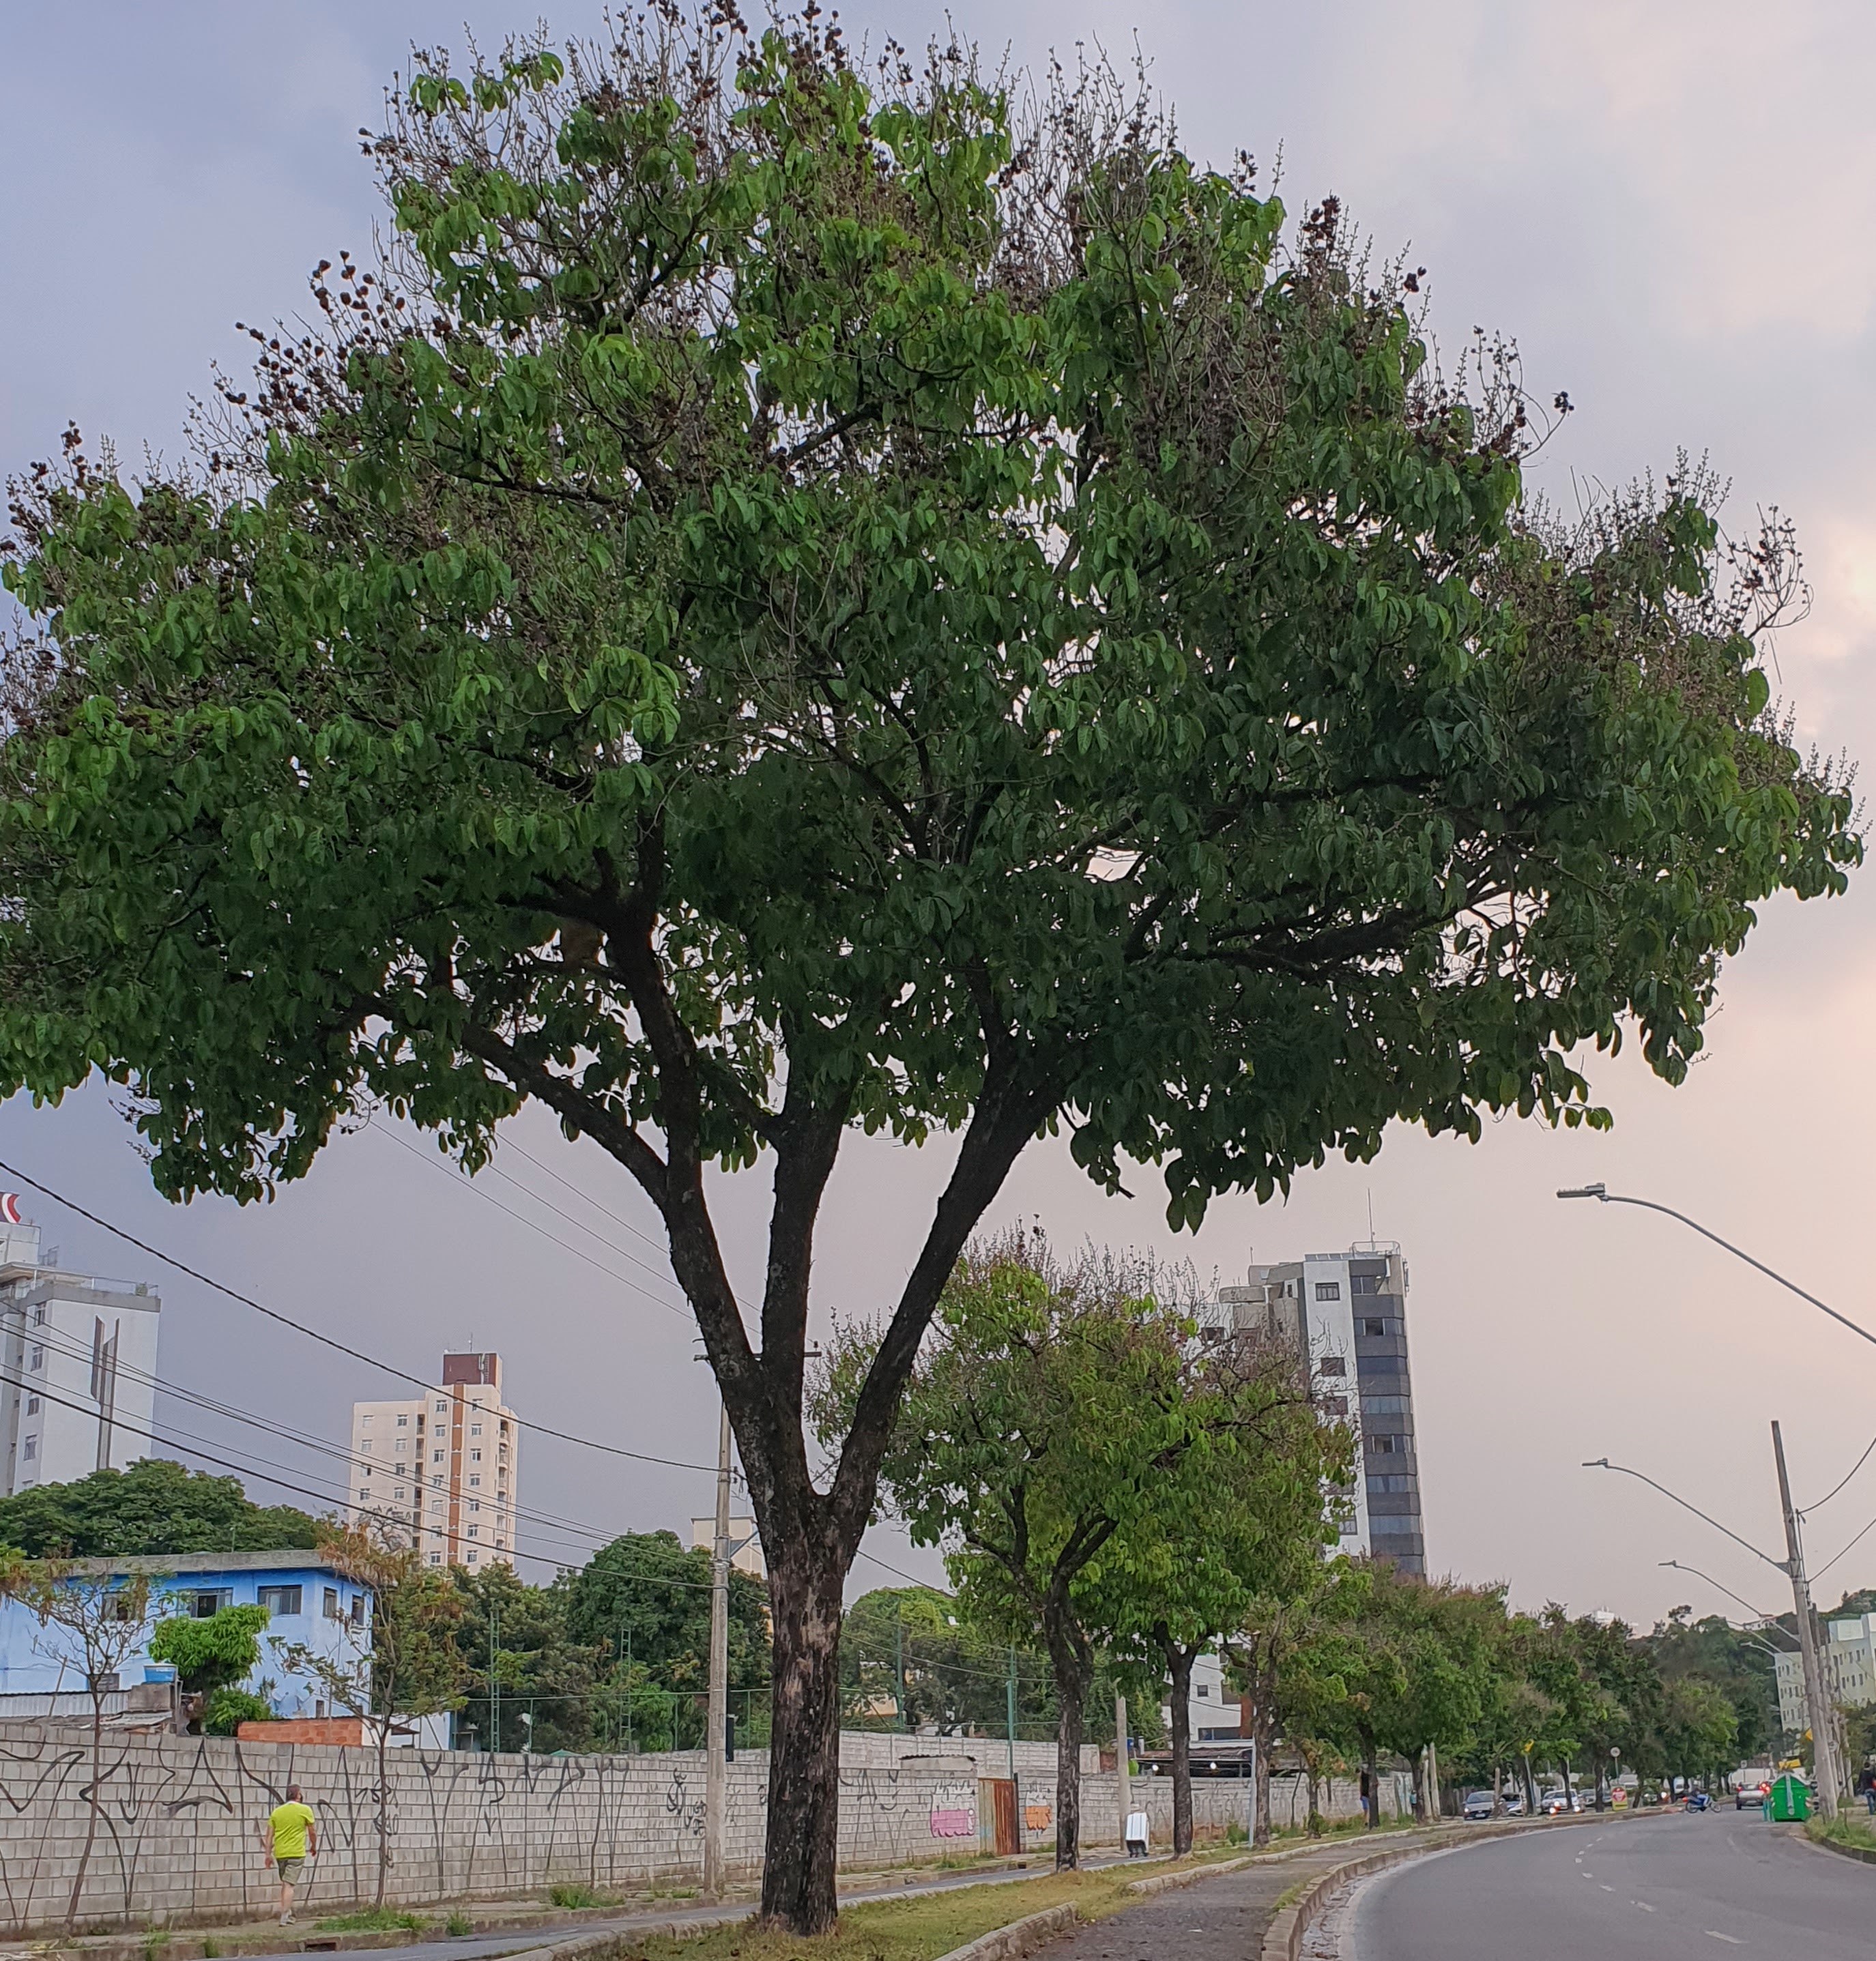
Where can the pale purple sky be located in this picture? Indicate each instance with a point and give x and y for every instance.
(1670, 208)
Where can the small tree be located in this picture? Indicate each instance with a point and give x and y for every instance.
(1047, 1430)
(403, 1660)
(100, 1621)
(212, 1653)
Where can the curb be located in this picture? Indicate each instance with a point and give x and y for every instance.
(1020, 1937)
(1864, 1855)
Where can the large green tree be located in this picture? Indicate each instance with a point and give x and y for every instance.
(800, 600)
(155, 1506)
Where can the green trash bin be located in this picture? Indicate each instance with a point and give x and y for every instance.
(1788, 1798)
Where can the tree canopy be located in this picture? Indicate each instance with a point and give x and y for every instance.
(799, 599)
(155, 1507)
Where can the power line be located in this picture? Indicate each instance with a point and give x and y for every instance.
(314, 1335)
(1834, 1557)
(1838, 1486)
(466, 1184)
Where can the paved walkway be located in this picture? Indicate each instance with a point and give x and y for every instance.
(1220, 1919)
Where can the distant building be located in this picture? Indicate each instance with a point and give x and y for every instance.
(443, 1466)
(1345, 1315)
(1848, 1655)
(77, 1364)
(748, 1556)
(309, 1605)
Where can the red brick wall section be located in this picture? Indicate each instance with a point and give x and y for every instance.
(345, 1731)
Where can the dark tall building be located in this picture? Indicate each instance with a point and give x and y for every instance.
(1346, 1314)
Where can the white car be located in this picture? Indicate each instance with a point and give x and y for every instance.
(1477, 1805)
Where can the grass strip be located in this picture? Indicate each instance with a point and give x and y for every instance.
(918, 1929)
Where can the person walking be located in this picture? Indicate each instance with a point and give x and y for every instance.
(292, 1834)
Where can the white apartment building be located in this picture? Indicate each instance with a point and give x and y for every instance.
(747, 1556)
(77, 1364)
(1848, 1655)
(443, 1466)
(1345, 1314)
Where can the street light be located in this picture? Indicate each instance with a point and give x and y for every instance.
(1604, 1196)
(1603, 1464)
(1755, 1612)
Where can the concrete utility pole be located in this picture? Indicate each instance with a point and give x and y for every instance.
(715, 1770)
(1120, 1764)
(1817, 1701)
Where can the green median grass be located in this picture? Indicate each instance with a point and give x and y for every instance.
(918, 1929)
(373, 1920)
(1848, 1829)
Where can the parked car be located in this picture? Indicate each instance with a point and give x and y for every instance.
(1698, 1800)
(1514, 1804)
(1556, 1803)
(1751, 1796)
(1478, 1804)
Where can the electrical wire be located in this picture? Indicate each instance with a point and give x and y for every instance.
(1834, 1557)
(1838, 1486)
(464, 1183)
(314, 1335)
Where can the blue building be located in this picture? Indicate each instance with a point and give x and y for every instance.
(309, 1604)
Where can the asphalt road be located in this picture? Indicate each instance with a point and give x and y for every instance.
(1645, 1889)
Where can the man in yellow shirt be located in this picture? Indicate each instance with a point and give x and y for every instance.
(293, 1838)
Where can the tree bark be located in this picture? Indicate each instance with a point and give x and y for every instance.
(1178, 1662)
(1371, 1767)
(94, 1804)
(1071, 1692)
(1262, 1730)
(803, 1840)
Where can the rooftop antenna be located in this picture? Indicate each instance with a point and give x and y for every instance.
(1370, 1215)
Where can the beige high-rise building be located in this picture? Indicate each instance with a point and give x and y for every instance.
(443, 1466)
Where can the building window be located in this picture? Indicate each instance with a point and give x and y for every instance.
(475, 1478)
(364, 1490)
(1384, 1405)
(436, 1559)
(1332, 1365)
(403, 1422)
(475, 1504)
(1335, 1405)
(399, 1492)
(1374, 1325)
(1328, 1289)
(472, 1555)
(475, 1457)
(37, 1360)
(1361, 1283)
(29, 1449)
(330, 1605)
(32, 1406)
(365, 1447)
(436, 1457)
(358, 1610)
(441, 1408)
(1205, 1691)
(475, 1429)
(282, 1602)
(436, 1484)
(1385, 1446)
(436, 1505)
(475, 1531)
(366, 1417)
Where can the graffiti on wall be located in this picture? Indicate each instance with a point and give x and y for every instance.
(953, 1811)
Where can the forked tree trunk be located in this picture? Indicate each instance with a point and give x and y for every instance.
(94, 1804)
(803, 1839)
(384, 1806)
(1179, 1667)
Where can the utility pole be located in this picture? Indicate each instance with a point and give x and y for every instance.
(1120, 1762)
(495, 1677)
(898, 1665)
(1823, 1715)
(716, 1769)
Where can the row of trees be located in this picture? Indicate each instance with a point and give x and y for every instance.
(802, 598)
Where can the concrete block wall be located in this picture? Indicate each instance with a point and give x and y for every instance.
(178, 1829)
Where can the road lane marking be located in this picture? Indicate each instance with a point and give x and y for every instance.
(1643, 1904)
(1731, 1940)
(1609, 1889)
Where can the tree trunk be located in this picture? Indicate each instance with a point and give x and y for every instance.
(1498, 1788)
(1316, 1813)
(1530, 1788)
(1178, 1662)
(1371, 1768)
(1071, 1690)
(1262, 1728)
(803, 1840)
(94, 1804)
(384, 1805)
(1569, 1797)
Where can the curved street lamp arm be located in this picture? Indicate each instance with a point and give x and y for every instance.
(1757, 1613)
(1607, 1197)
(1603, 1464)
